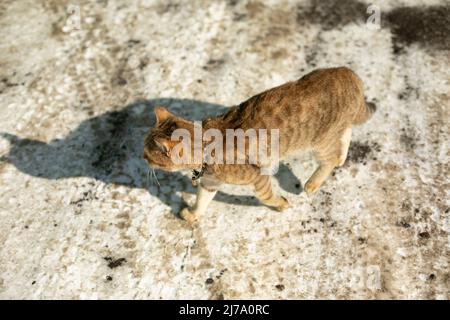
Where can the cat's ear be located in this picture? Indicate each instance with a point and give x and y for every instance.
(165, 145)
(162, 114)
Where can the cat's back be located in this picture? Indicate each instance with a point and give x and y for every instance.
(302, 100)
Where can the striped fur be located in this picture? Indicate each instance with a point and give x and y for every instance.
(315, 112)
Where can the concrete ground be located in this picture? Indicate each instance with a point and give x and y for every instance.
(80, 218)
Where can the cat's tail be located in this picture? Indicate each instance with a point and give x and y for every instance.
(368, 110)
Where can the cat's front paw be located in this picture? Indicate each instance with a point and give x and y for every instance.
(187, 215)
(283, 204)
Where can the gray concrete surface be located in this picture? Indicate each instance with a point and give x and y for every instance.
(80, 218)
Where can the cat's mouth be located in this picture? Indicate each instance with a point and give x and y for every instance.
(154, 165)
(165, 167)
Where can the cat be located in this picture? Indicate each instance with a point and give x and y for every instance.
(316, 112)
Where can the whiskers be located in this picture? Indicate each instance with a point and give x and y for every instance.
(156, 178)
(148, 177)
(152, 175)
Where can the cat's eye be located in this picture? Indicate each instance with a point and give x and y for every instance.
(162, 148)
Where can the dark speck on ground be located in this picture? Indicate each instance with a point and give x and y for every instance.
(114, 263)
(279, 287)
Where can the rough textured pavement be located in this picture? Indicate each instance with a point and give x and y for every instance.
(80, 217)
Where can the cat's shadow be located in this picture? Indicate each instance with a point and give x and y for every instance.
(109, 148)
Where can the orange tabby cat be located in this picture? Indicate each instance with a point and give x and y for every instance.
(315, 113)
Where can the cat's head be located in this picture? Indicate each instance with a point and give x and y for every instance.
(160, 145)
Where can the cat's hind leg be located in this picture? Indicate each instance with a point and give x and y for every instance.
(319, 176)
(344, 145)
(330, 155)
